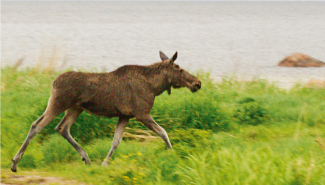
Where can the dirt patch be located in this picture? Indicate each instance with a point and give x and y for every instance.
(30, 179)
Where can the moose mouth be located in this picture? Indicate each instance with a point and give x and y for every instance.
(195, 87)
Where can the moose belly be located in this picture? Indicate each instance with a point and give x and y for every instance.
(107, 110)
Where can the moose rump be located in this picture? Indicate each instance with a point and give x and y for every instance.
(128, 92)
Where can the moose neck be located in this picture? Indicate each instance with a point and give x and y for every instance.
(159, 83)
(158, 79)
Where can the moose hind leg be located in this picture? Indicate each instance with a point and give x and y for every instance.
(50, 113)
(152, 125)
(63, 129)
(117, 138)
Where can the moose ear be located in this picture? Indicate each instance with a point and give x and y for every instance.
(174, 58)
(163, 56)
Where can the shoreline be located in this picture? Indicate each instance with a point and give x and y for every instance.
(284, 82)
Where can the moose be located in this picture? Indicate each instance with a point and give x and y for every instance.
(128, 92)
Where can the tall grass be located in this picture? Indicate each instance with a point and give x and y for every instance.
(230, 132)
(254, 165)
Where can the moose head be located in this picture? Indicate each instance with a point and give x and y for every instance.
(177, 76)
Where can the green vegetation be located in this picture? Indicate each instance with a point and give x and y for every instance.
(229, 132)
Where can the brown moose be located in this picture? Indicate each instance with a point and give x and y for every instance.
(128, 92)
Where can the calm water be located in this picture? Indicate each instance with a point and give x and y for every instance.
(243, 38)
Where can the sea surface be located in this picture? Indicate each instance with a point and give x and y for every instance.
(245, 39)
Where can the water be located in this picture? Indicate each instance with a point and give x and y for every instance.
(224, 38)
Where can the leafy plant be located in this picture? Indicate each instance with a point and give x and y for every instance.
(251, 112)
(185, 142)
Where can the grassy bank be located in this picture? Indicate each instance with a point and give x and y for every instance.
(229, 132)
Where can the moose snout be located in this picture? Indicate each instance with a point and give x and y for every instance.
(196, 86)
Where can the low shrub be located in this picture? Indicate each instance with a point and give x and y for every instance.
(186, 142)
(251, 112)
(28, 161)
(57, 149)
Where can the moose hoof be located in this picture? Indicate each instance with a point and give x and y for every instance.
(105, 163)
(13, 166)
(87, 161)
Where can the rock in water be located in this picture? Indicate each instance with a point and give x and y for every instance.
(300, 60)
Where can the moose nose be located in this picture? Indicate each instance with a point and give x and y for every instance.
(198, 85)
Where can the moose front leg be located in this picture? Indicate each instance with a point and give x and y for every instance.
(122, 122)
(152, 125)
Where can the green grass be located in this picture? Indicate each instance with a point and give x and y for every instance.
(230, 132)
